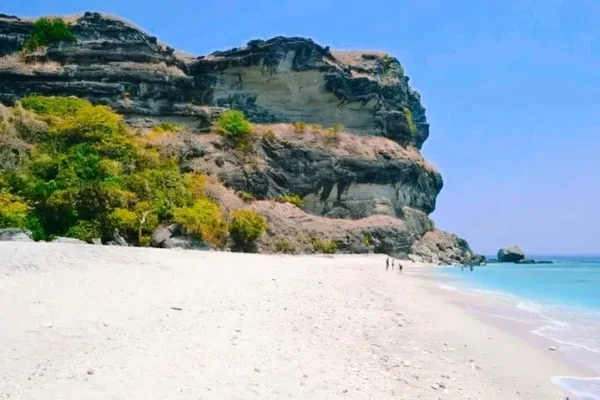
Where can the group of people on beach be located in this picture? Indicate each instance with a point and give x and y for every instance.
(387, 265)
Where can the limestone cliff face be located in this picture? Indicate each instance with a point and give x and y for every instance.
(354, 178)
(372, 182)
(279, 80)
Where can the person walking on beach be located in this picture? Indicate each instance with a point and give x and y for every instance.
(400, 267)
(392, 264)
(387, 264)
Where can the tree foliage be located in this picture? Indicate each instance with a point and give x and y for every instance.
(85, 176)
(205, 221)
(46, 31)
(234, 126)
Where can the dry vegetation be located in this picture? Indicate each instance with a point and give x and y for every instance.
(155, 67)
(298, 231)
(18, 63)
(346, 144)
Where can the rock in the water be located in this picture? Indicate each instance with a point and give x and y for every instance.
(172, 237)
(526, 261)
(68, 240)
(511, 254)
(15, 235)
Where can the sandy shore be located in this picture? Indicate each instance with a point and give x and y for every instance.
(93, 322)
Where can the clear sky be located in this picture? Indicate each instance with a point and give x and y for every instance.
(511, 87)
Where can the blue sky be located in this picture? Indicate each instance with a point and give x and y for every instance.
(511, 87)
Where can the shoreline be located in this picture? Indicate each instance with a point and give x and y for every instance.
(99, 322)
(512, 314)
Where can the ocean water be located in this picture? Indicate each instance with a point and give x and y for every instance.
(560, 300)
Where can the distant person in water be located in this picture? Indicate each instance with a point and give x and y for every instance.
(471, 268)
(387, 264)
(462, 267)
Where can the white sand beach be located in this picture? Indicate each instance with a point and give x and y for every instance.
(96, 322)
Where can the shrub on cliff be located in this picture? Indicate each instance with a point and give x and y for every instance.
(236, 128)
(299, 127)
(270, 135)
(167, 126)
(247, 197)
(292, 199)
(246, 227)
(332, 134)
(409, 119)
(386, 62)
(46, 31)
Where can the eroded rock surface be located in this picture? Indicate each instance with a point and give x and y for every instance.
(437, 246)
(332, 181)
(279, 80)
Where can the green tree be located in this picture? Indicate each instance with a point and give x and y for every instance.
(46, 31)
(234, 126)
(14, 212)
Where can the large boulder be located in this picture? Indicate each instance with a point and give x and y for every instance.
(172, 237)
(526, 261)
(15, 235)
(511, 254)
(117, 240)
(441, 247)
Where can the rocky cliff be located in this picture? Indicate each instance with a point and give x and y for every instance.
(369, 189)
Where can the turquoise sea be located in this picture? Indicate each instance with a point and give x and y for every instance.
(563, 300)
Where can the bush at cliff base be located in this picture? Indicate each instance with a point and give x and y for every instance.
(246, 227)
(85, 175)
(205, 221)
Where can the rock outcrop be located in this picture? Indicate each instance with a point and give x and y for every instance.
(15, 235)
(442, 247)
(380, 234)
(279, 80)
(353, 178)
(511, 254)
(172, 237)
(365, 186)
